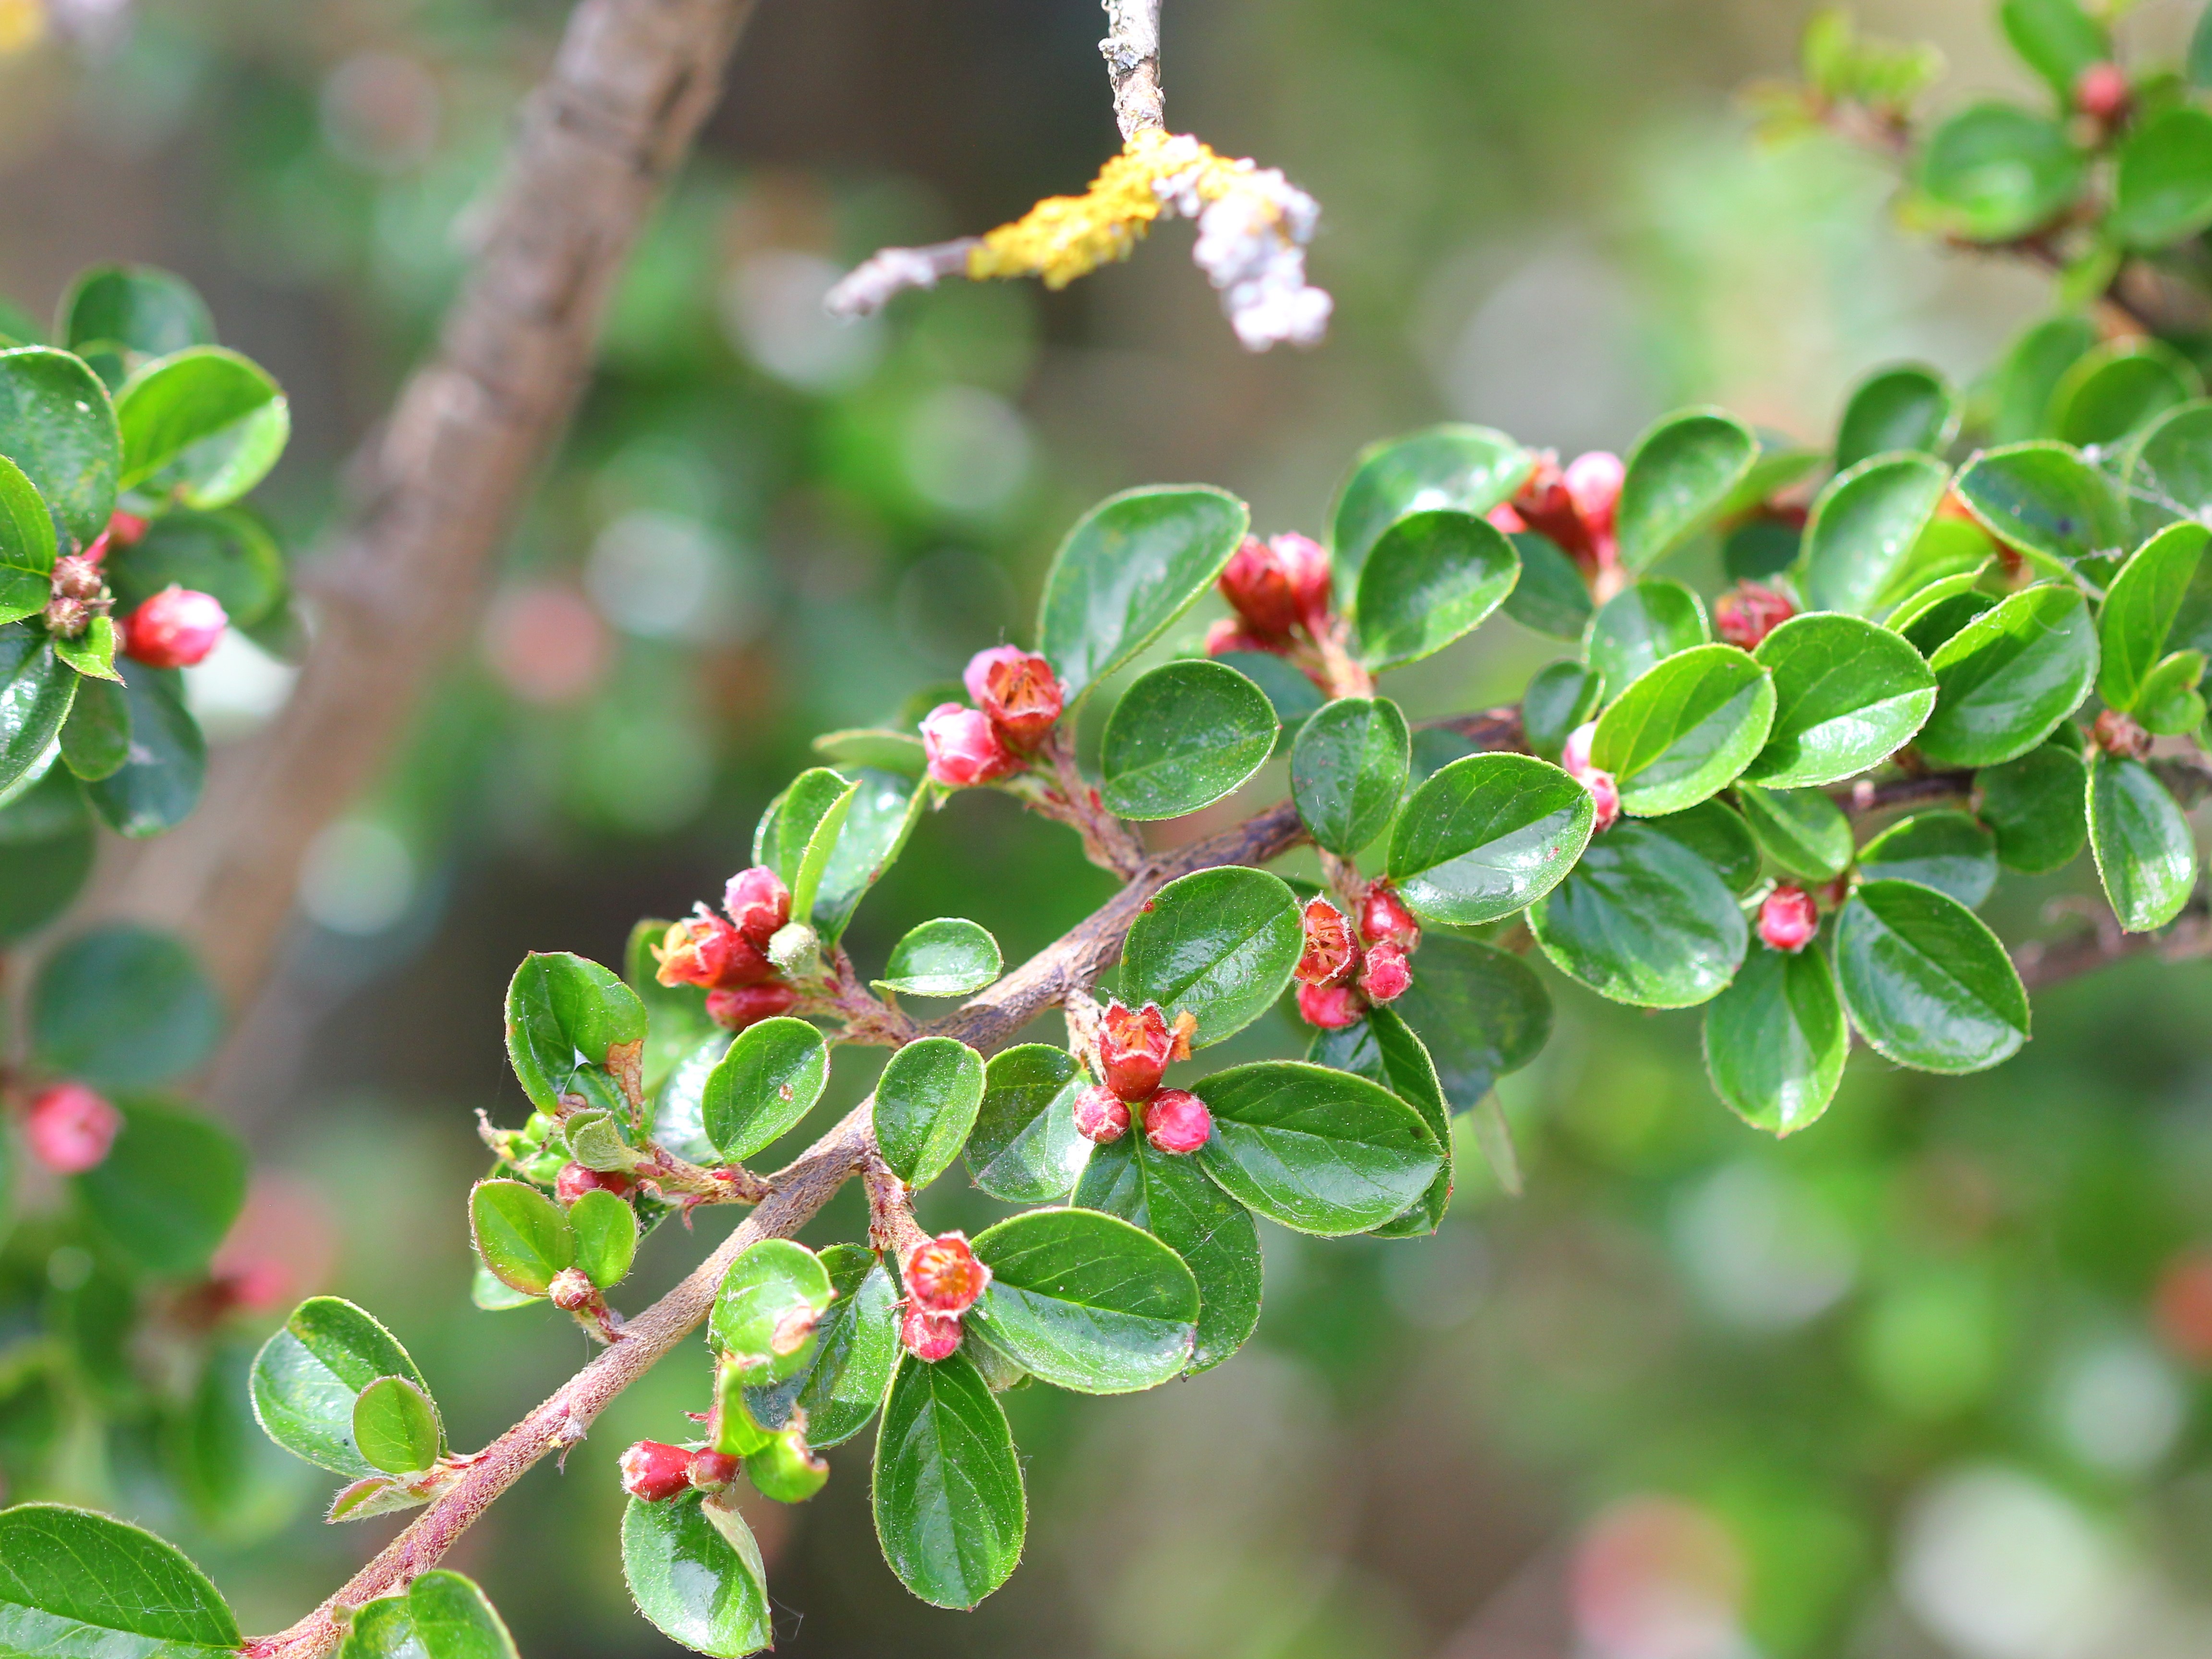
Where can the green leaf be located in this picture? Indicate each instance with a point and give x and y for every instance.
(1172, 1198)
(1560, 696)
(899, 753)
(926, 1103)
(678, 1119)
(159, 783)
(2139, 610)
(1864, 526)
(308, 1375)
(521, 1234)
(36, 687)
(203, 423)
(1218, 944)
(1758, 550)
(696, 1573)
(2146, 856)
(800, 829)
(1994, 171)
(1948, 549)
(560, 1005)
(1318, 1151)
(1383, 1048)
(768, 1081)
(2170, 704)
(1085, 1301)
(2055, 39)
(606, 1237)
(1348, 770)
(1184, 735)
(229, 554)
(1024, 1148)
(1685, 729)
(1718, 835)
(2119, 387)
(92, 652)
(1480, 1012)
(1945, 850)
(2005, 680)
(856, 1345)
(2046, 500)
(1130, 567)
(1800, 830)
(1681, 474)
(1551, 597)
(73, 1583)
(1430, 578)
(26, 543)
(96, 736)
(885, 807)
(1468, 469)
(1925, 982)
(2030, 373)
(395, 1427)
(2035, 806)
(1293, 696)
(122, 1007)
(1643, 920)
(167, 1191)
(139, 307)
(59, 427)
(768, 1309)
(1909, 407)
(951, 956)
(45, 853)
(1936, 605)
(1848, 694)
(1488, 835)
(2162, 191)
(949, 1507)
(1775, 1040)
(441, 1615)
(2166, 472)
(1641, 626)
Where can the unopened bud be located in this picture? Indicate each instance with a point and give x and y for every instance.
(795, 950)
(1258, 588)
(1788, 919)
(123, 529)
(1134, 1046)
(1605, 793)
(175, 628)
(70, 1128)
(654, 1471)
(1305, 561)
(1575, 753)
(1592, 481)
(748, 1004)
(711, 1471)
(1332, 1008)
(1329, 954)
(1020, 692)
(1177, 1122)
(1383, 915)
(574, 1180)
(1749, 614)
(76, 576)
(963, 747)
(66, 619)
(1101, 1115)
(2120, 734)
(942, 1275)
(929, 1336)
(706, 950)
(1387, 973)
(757, 903)
(2101, 93)
(571, 1290)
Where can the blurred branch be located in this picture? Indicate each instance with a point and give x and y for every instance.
(440, 483)
(1131, 49)
(2188, 938)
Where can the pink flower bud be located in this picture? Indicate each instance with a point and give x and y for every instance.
(963, 747)
(1383, 915)
(2101, 93)
(929, 1336)
(942, 1275)
(1386, 972)
(1593, 484)
(1332, 1008)
(1329, 953)
(71, 1129)
(1505, 519)
(571, 1290)
(1019, 692)
(574, 1180)
(749, 1005)
(1788, 919)
(123, 529)
(1258, 588)
(1177, 1122)
(706, 950)
(2120, 734)
(1607, 794)
(1135, 1046)
(1229, 634)
(1575, 755)
(1749, 614)
(1100, 1115)
(655, 1471)
(711, 1471)
(1305, 562)
(175, 628)
(758, 902)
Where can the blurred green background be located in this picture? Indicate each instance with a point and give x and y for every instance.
(1928, 1379)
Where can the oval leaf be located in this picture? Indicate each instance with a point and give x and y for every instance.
(1864, 526)
(1945, 850)
(695, 1572)
(395, 1426)
(884, 807)
(2146, 856)
(1775, 1040)
(124, 1007)
(75, 1583)
(441, 1615)
(1469, 468)
(949, 1507)
(2036, 805)
(1681, 474)
(1085, 1301)
(948, 957)
(560, 1006)
(768, 1309)
(1488, 835)
(1218, 944)
(1907, 407)
(1319, 1150)
(1643, 920)
(1348, 770)
(1847, 696)
(2163, 189)
(1925, 982)
(2046, 500)
(1551, 597)
(800, 830)
(1684, 730)
(59, 427)
(856, 1345)
(1185, 734)
(767, 1081)
(926, 1103)
(2139, 610)
(1024, 1148)
(520, 1234)
(2005, 680)
(1430, 578)
(308, 1375)
(1993, 171)
(204, 422)
(1800, 830)
(606, 1237)
(1641, 627)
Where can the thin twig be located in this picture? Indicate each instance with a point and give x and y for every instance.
(1131, 49)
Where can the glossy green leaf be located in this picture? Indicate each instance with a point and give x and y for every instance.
(1467, 468)
(769, 1308)
(605, 1227)
(307, 1375)
(1383, 1048)
(2035, 806)
(167, 1191)
(1775, 1040)
(2146, 856)
(520, 1234)
(1318, 1151)
(2141, 608)
(1130, 567)
(696, 1573)
(59, 427)
(1292, 695)
(92, 652)
(1085, 1301)
(1947, 549)
(1218, 944)
(1641, 626)
(1760, 549)
(2162, 190)
(1938, 597)
(2046, 500)
(768, 1079)
(1184, 735)
(1480, 1012)
(678, 1119)
(1643, 920)
(46, 853)
(1864, 526)
(203, 423)
(122, 1007)
(1552, 597)
(140, 307)
(1993, 171)
(1487, 836)
(1847, 694)
(856, 1345)
(439, 1616)
(885, 806)
(1024, 1148)
(1560, 696)
(2005, 680)
(899, 753)
(951, 956)
(1680, 473)
(1909, 407)
(1945, 850)
(560, 1005)
(800, 829)
(2166, 472)
(1685, 729)
(949, 1507)
(1430, 578)
(1800, 830)
(2119, 388)
(2022, 385)
(162, 773)
(26, 543)
(395, 1427)
(2055, 39)
(36, 688)
(1716, 834)
(2171, 703)
(1925, 982)
(77, 1584)
(926, 1103)
(1348, 771)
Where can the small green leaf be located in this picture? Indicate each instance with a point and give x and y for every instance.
(856, 1345)
(1847, 696)
(926, 1103)
(2046, 500)
(46, 853)
(2119, 388)
(1925, 982)
(1800, 830)
(1909, 407)
(2146, 856)
(1130, 567)
(59, 427)
(441, 1615)
(951, 956)
(1024, 1148)
(885, 807)
(2162, 191)
(1993, 171)
(1467, 468)
(92, 652)
(2005, 680)
(949, 1507)
(308, 1374)
(27, 542)
(2024, 381)
(1183, 736)
(1945, 850)
(2035, 805)
(1085, 1301)
(124, 1007)
(1383, 1048)
(696, 1573)
(522, 1235)
(606, 1237)
(2139, 610)
(768, 1079)
(1218, 944)
(165, 768)
(1681, 474)
(36, 688)
(395, 1427)
(1318, 1151)
(800, 829)
(2055, 39)
(1643, 625)
(769, 1308)
(1560, 696)
(1551, 597)
(74, 1582)
(1685, 729)
(167, 1191)
(1643, 920)
(139, 307)
(96, 736)
(1864, 526)
(1775, 1040)
(1480, 1012)
(2170, 704)
(1430, 578)
(204, 422)
(1348, 770)
(558, 1007)
(1488, 835)
(1292, 695)
(2166, 472)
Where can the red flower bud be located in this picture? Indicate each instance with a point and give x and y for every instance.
(2120, 734)
(2101, 92)
(758, 902)
(71, 1129)
(1593, 482)
(1019, 692)
(942, 1275)
(1788, 919)
(123, 529)
(1229, 634)
(1386, 972)
(929, 1336)
(1329, 954)
(1383, 915)
(175, 628)
(706, 950)
(963, 747)
(1506, 518)
(1750, 614)
(571, 1290)
(749, 1005)
(1332, 1008)
(574, 1180)
(1575, 755)
(1258, 587)
(711, 1471)
(654, 1471)
(1305, 561)
(1177, 1122)
(1606, 793)
(1100, 1115)
(1135, 1046)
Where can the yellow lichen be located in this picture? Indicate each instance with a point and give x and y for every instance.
(1065, 237)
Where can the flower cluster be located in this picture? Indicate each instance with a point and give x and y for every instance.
(727, 954)
(1342, 972)
(1571, 506)
(1018, 700)
(176, 627)
(1575, 759)
(943, 1280)
(1134, 1048)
